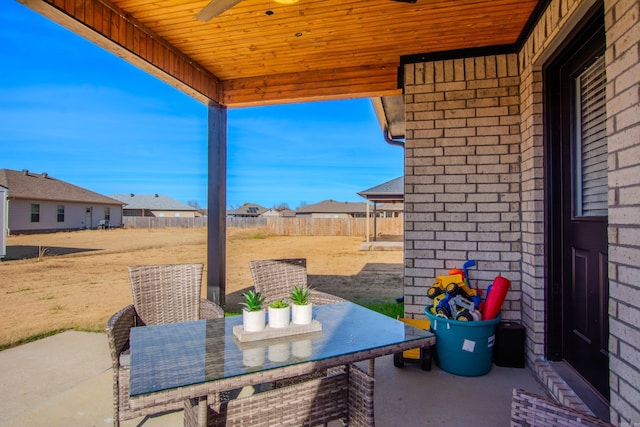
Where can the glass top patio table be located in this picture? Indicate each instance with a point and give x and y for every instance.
(175, 355)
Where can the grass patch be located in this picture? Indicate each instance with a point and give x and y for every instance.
(31, 339)
(388, 308)
(94, 329)
(46, 298)
(19, 290)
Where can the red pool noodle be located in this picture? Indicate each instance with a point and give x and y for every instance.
(495, 298)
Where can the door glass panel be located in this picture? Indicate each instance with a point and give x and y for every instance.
(591, 148)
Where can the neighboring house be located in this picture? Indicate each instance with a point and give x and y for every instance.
(3, 221)
(248, 210)
(390, 195)
(390, 210)
(278, 213)
(41, 203)
(155, 205)
(333, 209)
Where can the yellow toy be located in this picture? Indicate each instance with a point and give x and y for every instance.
(422, 355)
(442, 282)
(454, 299)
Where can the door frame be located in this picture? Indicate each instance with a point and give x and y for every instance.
(553, 197)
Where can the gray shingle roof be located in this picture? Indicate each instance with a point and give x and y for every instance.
(249, 209)
(390, 190)
(152, 202)
(36, 186)
(332, 206)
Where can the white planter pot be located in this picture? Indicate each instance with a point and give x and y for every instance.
(302, 349)
(279, 317)
(301, 314)
(253, 357)
(278, 352)
(253, 321)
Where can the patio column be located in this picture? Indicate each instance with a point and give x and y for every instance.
(217, 201)
(375, 221)
(367, 221)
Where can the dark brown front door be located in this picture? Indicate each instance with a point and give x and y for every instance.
(578, 178)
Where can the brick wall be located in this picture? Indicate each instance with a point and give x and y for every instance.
(462, 174)
(532, 210)
(622, 23)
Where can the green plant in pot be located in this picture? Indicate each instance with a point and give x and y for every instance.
(279, 314)
(253, 314)
(302, 308)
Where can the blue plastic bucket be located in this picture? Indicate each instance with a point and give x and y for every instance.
(463, 348)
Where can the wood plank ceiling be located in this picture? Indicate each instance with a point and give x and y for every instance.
(344, 48)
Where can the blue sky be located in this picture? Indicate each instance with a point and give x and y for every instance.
(83, 115)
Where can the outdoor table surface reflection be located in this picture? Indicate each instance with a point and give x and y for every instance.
(203, 357)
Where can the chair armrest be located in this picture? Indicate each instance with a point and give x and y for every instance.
(320, 298)
(118, 327)
(210, 310)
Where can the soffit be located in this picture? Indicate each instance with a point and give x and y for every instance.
(347, 48)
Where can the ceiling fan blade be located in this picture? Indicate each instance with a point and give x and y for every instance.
(215, 8)
(407, 1)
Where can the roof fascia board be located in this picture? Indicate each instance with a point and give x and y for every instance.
(114, 31)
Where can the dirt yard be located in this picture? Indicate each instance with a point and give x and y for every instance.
(79, 279)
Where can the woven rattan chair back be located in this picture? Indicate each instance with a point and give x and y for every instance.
(166, 293)
(531, 410)
(275, 278)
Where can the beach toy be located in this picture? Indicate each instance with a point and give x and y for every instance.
(495, 297)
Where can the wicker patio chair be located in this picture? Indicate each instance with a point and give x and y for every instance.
(275, 279)
(530, 410)
(161, 294)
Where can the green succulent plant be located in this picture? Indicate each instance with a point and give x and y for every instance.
(300, 295)
(252, 301)
(279, 304)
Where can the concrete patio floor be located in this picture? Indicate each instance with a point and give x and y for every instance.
(66, 380)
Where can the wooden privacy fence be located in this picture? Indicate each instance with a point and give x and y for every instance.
(162, 222)
(355, 227)
(321, 226)
(246, 222)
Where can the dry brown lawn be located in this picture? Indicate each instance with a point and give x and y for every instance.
(77, 280)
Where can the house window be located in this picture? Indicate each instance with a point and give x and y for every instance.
(60, 211)
(107, 214)
(591, 148)
(35, 212)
